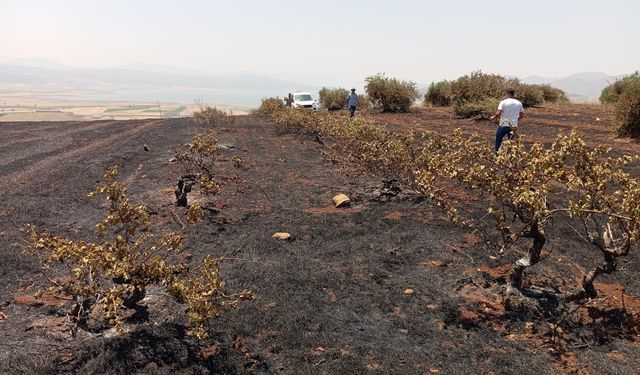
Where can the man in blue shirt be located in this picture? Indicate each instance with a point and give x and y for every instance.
(352, 102)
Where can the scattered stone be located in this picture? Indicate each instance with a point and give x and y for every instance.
(146, 148)
(282, 236)
(409, 291)
(341, 200)
(173, 160)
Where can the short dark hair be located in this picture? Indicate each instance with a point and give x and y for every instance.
(510, 91)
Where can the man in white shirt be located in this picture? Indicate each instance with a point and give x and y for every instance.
(510, 112)
(352, 102)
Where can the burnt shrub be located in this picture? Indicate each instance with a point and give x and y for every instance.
(333, 99)
(213, 116)
(390, 94)
(439, 94)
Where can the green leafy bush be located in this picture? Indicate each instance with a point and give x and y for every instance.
(478, 86)
(439, 94)
(627, 109)
(529, 95)
(481, 109)
(333, 99)
(390, 94)
(552, 94)
(364, 102)
(612, 92)
(269, 106)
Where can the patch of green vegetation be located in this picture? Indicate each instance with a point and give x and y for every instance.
(128, 108)
(170, 113)
(174, 112)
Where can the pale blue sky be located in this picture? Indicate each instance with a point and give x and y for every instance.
(337, 42)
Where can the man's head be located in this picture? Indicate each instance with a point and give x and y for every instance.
(510, 92)
(353, 89)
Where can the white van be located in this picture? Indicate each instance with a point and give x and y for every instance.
(304, 100)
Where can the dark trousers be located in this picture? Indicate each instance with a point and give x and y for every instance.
(500, 133)
(352, 111)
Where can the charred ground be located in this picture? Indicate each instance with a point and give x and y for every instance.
(381, 287)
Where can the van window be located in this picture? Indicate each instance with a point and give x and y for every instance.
(302, 98)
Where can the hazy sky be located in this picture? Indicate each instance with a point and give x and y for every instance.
(340, 42)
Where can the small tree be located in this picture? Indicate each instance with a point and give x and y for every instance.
(333, 99)
(439, 94)
(477, 86)
(613, 91)
(528, 95)
(268, 106)
(391, 94)
(552, 94)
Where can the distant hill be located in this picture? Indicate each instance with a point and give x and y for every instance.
(580, 87)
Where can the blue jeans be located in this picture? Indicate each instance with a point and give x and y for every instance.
(352, 111)
(500, 133)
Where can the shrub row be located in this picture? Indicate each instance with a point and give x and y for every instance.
(470, 94)
(584, 184)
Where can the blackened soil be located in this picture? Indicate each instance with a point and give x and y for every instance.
(378, 287)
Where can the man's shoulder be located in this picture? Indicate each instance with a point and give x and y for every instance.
(511, 101)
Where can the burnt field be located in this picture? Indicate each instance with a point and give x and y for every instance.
(388, 285)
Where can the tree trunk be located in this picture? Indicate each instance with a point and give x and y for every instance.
(539, 239)
(587, 290)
